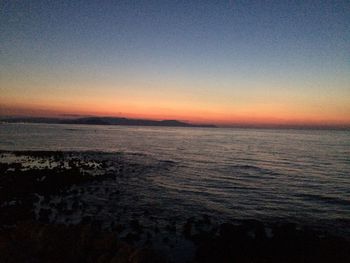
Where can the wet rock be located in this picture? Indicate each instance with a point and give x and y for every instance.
(49, 243)
(44, 215)
(156, 229)
(122, 254)
(206, 219)
(187, 228)
(171, 228)
(145, 256)
(166, 240)
(132, 237)
(135, 225)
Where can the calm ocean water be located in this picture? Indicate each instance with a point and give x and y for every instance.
(265, 174)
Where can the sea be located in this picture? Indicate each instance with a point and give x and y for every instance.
(271, 175)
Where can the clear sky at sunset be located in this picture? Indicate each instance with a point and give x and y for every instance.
(221, 62)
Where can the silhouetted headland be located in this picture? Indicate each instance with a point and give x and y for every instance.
(106, 121)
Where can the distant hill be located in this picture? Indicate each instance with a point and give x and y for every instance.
(104, 121)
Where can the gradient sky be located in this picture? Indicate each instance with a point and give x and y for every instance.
(221, 62)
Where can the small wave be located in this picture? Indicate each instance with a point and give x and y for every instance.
(324, 198)
(168, 161)
(69, 129)
(8, 143)
(249, 171)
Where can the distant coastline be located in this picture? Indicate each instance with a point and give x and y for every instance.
(122, 121)
(104, 121)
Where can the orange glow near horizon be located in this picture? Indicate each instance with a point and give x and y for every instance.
(221, 100)
(273, 114)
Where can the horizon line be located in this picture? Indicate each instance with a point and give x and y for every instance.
(253, 125)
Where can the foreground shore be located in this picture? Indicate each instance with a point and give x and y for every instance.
(45, 216)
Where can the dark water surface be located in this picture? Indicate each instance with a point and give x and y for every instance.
(301, 176)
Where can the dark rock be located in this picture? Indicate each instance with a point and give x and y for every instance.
(145, 255)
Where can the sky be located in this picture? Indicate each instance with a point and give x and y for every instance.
(223, 62)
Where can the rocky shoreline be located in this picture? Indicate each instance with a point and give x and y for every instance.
(45, 217)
